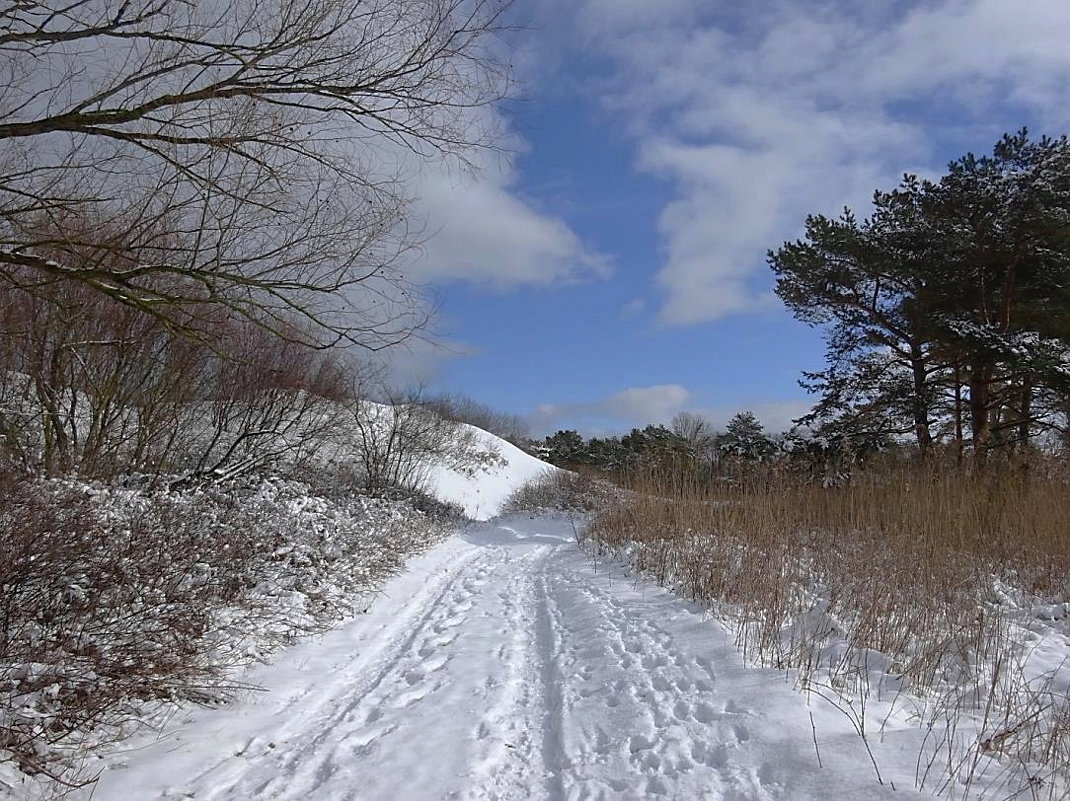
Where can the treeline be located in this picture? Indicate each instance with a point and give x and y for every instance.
(947, 310)
(690, 442)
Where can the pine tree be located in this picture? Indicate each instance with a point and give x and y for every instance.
(950, 302)
(745, 438)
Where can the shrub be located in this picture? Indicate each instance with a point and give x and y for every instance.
(561, 490)
(114, 598)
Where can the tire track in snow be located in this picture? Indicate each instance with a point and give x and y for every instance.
(298, 757)
(518, 671)
(508, 760)
(405, 678)
(548, 648)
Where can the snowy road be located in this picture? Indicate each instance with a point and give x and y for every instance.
(505, 664)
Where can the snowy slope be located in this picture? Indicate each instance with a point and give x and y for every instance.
(506, 665)
(482, 492)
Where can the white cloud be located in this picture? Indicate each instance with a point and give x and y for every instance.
(796, 108)
(478, 226)
(636, 406)
(467, 222)
(646, 404)
(482, 231)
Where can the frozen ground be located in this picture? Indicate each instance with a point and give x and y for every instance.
(506, 664)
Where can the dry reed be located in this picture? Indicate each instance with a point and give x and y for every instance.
(911, 578)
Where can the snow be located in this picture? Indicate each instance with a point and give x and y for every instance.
(482, 491)
(506, 664)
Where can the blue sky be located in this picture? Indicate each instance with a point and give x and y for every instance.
(609, 269)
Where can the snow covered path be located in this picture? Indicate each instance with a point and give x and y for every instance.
(505, 664)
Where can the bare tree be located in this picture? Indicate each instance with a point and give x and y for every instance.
(234, 153)
(394, 438)
(267, 405)
(94, 389)
(699, 434)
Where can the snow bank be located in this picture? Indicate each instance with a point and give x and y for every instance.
(473, 468)
(482, 491)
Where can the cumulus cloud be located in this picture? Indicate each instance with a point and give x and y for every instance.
(639, 406)
(757, 118)
(651, 404)
(478, 226)
(467, 221)
(481, 230)
(636, 406)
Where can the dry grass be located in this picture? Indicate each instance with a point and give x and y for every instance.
(906, 578)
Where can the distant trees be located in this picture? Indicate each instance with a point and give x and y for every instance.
(691, 444)
(947, 310)
(641, 447)
(564, 448)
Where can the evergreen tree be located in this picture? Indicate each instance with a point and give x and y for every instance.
(564, 448)
(951, 302)
(998, 231)
(862, 281)
(745, 438)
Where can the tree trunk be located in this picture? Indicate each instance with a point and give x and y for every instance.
(959, 445)
(920, 401)
(1025, 411)
(980, 422)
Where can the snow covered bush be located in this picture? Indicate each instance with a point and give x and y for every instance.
(114, 598)
(393, 445)
(564, 491)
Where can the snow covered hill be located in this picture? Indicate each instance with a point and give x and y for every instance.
(481, 492)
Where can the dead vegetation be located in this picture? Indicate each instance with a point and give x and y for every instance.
(921, 584)
(117, 600)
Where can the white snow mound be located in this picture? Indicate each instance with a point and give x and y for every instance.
(482, 492)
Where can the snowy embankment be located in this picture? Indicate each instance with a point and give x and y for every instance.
(481, 492)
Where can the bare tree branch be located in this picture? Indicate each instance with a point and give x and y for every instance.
(245, 152)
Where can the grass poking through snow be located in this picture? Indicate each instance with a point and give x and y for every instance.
(932, 586)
